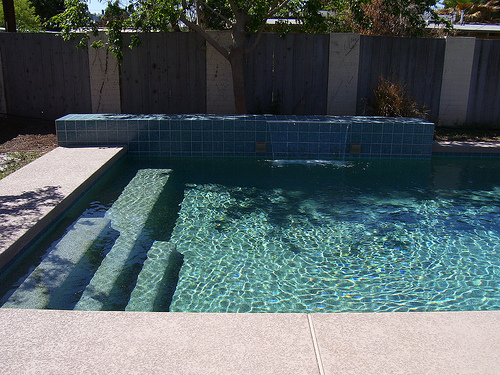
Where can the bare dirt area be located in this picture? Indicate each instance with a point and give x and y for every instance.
(22, 140)
(467, 134)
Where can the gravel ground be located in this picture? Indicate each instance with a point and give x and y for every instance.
(22, 140)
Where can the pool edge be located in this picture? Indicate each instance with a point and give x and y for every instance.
(59, 177)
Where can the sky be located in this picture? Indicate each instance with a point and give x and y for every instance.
(96, 6)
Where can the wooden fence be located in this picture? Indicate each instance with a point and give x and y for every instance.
(43, 76)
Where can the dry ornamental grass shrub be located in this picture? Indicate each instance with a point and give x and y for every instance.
(392, 100)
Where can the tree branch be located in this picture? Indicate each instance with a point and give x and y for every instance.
(257, 40)
(234, 8)
(205, 35)
(218, 14)
(276, 8)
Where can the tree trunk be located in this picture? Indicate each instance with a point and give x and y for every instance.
(237, 61)
(9, 16)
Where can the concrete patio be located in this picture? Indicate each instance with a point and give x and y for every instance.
(69, 342)
(72, 342)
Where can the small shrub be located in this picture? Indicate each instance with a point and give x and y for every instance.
(392, 100)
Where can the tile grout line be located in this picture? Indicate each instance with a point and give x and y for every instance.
(315, 344)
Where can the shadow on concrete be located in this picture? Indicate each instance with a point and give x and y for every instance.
(20, 212)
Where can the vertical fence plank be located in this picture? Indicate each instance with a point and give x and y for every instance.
(484, 94)
(413, 62)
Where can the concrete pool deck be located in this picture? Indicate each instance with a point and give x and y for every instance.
(34, 196)
(69, 342)
(78, 342)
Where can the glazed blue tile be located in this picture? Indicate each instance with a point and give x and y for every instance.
(175, 125)
(218, 147)
(196, 146)
(154, 136)
(377, 138)
(388, 128)
(175, 136)
(175, 147)
(132, 125)
(261, 137)
(60, 126)
(239, 147)
(163, 125)
(196, 136)
(239, 136)
(356, 138)
(375, 149)
(292, 136)
(303, 127)
(324, 148)
(196, 126)
(228, 147)
(186, 136)
(313, 127)
(367, 128)
(133, 146)
(356, 128)
(249, 137)
(165, 147)
(229, 137)
(154, 146)
(229, 125)
(165, 136)
(397, 138)
(70, 125)
(218, 136)
(144, 146)
(143, 137)
(419, 129)
(217, 125)
(260, 126)
(387, 138)
(112, 136)
(154, 125)
(239, 125)
(207, 136)
(186, 147)
(207, 147)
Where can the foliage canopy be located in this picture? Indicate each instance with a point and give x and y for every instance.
(26, 18)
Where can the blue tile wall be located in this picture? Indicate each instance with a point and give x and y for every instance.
(285, 137)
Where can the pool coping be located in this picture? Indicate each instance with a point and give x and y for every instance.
(465, 148)
(35, 195)
(64, 342)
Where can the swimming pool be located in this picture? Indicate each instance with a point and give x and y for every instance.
(220, 235)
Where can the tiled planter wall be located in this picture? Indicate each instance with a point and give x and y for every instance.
(266, 136)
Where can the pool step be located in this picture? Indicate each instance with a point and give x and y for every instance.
(128, 216)
(39, 287)
(156, 283)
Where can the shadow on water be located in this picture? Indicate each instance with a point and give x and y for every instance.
(169, 282)
(69, 293)
(158, 227)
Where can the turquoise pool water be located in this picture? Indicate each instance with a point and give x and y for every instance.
(218, 235)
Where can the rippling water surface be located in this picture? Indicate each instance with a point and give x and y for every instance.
(278, 236)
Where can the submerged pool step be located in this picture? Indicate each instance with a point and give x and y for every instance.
(158, 278)
(38, 288)
(128, 216)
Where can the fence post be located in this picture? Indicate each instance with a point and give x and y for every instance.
(343, 74)
(220, 96)
(3, 101)
(104, 79)
(455, 86)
